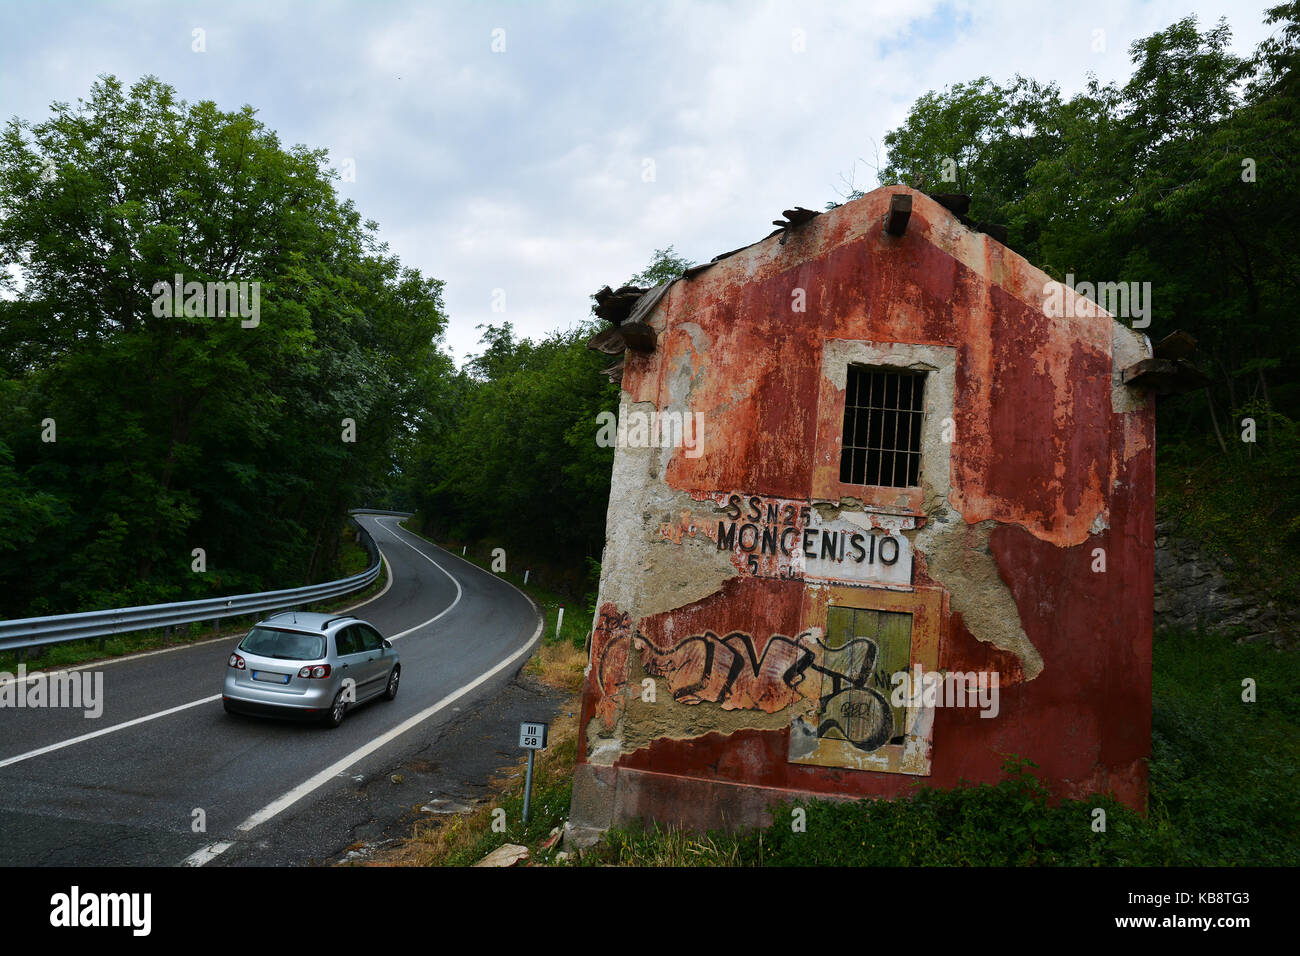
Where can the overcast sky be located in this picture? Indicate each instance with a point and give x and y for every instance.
(592, 134)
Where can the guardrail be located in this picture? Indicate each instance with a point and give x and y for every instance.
(30, 632)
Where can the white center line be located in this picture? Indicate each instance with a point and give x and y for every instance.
(213, 850)
(35, 675)
(459, 592)
(107, 730)
(273, 808)
(194, 703)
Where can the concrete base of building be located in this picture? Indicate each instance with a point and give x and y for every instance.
(605, 797)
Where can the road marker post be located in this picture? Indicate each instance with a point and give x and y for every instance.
(532, 737)
(559, 619)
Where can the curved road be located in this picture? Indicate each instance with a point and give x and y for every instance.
(123, 788)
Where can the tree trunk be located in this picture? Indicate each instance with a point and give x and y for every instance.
(1209, 400)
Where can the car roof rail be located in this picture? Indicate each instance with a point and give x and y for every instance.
(341, 617)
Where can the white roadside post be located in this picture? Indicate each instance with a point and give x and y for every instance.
(559, 619)
(532, 737)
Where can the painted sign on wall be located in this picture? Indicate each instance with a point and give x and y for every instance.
(776, 537)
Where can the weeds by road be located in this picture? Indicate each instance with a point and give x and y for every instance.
(1224, 791)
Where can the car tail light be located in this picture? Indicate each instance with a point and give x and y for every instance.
(315, 671)
(237, 662)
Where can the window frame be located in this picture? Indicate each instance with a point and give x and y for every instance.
(913, 755)
(939, 363)
(914, 448)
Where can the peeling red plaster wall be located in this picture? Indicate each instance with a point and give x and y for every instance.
(1039, 450)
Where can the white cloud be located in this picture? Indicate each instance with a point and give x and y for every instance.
(523, 170)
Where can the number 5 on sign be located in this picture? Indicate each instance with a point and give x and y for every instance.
(532, 736)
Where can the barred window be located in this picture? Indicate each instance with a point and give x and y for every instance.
(882, 427)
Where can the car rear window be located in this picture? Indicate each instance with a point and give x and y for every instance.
(285, 645)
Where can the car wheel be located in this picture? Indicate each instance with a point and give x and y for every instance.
(334, 716)
(229, 709)
(393, 677)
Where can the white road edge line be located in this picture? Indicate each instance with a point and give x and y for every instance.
(470, 564)
(465, 561)
(459, 591)
(206, 700)
(209, 852)
(214, 850)
(107, 730)
(33, 675)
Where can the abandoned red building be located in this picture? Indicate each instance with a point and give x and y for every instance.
(852, 455)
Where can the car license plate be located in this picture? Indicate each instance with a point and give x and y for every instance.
(271, 678)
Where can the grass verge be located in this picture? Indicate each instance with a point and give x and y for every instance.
(465, 839)
(573, 627)
(1225, 791)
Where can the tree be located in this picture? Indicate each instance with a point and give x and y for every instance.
(665, 265)
(976, 138)
(517, 462)
(219, 424)
(1184, 178)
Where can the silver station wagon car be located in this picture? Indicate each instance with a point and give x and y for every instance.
(307, 665)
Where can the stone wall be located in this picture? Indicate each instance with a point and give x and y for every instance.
(1193, 589)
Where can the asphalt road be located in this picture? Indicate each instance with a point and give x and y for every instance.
(164, 748)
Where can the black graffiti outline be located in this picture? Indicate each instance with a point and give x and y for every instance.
(741, 645)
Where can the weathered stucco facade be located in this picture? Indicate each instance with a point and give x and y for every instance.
(754, 605)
